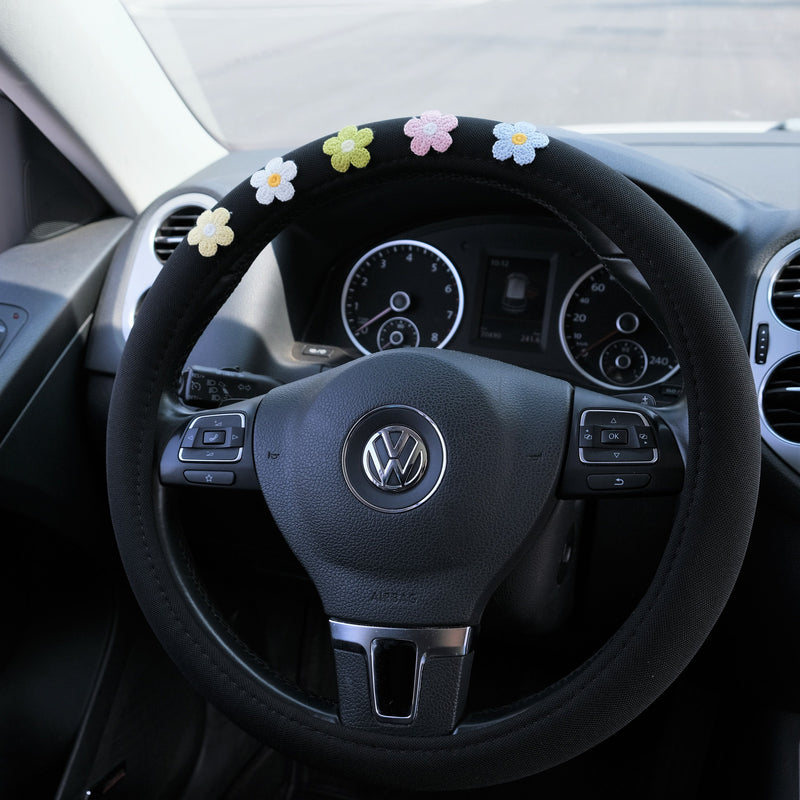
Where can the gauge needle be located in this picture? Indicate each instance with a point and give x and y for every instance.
(377, 316)
(599, 341)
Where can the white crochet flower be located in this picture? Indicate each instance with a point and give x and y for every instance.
(275, 180)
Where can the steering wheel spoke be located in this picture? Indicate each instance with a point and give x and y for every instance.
(621, 448)
(212, 449)
(405, 680)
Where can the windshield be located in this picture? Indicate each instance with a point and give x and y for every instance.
(266, 73)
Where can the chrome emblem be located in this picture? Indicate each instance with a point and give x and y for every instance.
(395, 458)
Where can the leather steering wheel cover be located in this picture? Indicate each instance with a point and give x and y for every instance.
(695, 576)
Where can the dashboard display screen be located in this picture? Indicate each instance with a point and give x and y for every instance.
(514, 301)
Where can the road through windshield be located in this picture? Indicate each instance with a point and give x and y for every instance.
(268, 73)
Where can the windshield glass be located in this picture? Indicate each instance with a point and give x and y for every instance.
(272, 73)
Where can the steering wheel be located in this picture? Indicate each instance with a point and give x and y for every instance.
(408, 482)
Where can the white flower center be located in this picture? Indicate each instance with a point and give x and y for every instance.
(209, 230)
(348, 145)
(430, 129)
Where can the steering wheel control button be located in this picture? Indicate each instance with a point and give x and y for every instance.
(394, 458)
(762, 343)
(213, 438)
(616, 437)
(217, 454)
(618, 483)
(619, 455)
(210, 477)
(189, 437)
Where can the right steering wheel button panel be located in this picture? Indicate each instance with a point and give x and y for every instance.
(616, 437)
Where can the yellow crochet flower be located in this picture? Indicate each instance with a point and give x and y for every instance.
(211, 230)
(349, 147)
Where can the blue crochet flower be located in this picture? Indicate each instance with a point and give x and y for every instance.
(518, 141)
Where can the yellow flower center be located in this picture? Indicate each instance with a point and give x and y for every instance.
(519, 138)
(209, 230)
(274, 180)
(348, 145)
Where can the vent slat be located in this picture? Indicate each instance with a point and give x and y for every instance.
(786, 294)
(173, 230)
(781, 400)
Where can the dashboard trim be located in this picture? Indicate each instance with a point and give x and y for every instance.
(145, 266)
(784, 342)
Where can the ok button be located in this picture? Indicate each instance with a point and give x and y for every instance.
(614, 436)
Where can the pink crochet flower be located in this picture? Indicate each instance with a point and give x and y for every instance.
(430, 129)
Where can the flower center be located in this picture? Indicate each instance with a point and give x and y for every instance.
(274, 180)
(209, 230)
(430, 129)
(519, 138)
(348, 145)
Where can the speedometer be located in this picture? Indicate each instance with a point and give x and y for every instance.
(402, 294)
(610, 338)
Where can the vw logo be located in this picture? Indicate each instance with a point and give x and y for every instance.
(395, 458)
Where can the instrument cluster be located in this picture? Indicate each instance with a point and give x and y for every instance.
(532, 294)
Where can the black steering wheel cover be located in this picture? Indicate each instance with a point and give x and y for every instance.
(695, 576)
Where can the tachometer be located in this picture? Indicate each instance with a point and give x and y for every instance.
(402, 294)
(610, 338)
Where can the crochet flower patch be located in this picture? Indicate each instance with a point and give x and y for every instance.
(518, 141)
(431, 129)
(275, 180)
(210, 231)
(348, 147)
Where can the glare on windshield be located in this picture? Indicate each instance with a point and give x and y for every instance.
(278, 73)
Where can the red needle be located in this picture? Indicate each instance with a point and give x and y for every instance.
(377, 316)
(594, 344)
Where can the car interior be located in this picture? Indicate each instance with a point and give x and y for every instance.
(433, 456)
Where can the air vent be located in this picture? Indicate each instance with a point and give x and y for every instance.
(173, 229)
(786, 294)
(780, 400)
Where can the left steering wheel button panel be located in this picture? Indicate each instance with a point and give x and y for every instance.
(213, 438)
(210, 449)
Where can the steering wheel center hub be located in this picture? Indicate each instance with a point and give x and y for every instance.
(394, 458)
